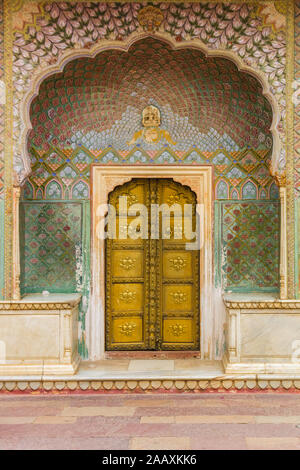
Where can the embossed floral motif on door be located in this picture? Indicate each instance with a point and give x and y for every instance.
(152, 281)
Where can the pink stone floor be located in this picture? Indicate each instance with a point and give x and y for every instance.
(181, 421)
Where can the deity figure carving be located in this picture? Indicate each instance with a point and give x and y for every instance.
(150, 18)
(151, 133)
(151, 116)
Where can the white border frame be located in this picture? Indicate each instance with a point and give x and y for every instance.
(104, 180)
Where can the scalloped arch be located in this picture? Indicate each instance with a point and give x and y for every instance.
(84, 187)
(245, 187)
(124, 46)
(53, 183)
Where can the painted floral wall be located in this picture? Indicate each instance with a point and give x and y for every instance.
(98, 102)
(205, 104)
(44, 33)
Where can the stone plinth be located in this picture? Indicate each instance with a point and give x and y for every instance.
(39, 335)
(263, 334)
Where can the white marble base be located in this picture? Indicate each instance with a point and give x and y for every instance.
(263, 335)
(39, 335)
(114, 369)
(11, 369)
(283, 369)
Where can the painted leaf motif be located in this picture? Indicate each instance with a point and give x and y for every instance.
(78, 24)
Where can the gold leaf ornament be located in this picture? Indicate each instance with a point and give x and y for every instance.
(127, 328)
(150, 18)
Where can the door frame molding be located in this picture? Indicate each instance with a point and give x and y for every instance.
(104, 178)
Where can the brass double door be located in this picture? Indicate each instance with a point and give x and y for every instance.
(152, 280)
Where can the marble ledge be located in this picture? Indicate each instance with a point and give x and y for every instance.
(43, 302)
(90, 373)
(109, 370)
(257, 300)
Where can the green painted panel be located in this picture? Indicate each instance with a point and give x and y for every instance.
(248, 243)
(51, 246)
(55, 252)
(297, 248)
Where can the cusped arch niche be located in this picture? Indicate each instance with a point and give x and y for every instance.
(203, 96)
(207, 100)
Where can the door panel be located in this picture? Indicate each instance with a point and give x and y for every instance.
(130, 231)
(177, 331)
(179, 273)
(173, 193)
(177, 298)
(133, 191)
(128, 263)
(174, 230)
(152, 284)
(126, 299)
(128, 331)
(177, 264)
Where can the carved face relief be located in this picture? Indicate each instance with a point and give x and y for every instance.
(151, 116)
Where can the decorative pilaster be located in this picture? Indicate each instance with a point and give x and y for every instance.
(8, 150)
(281, 180)
(233, 335)
(290, 203)
(68, 333)
(16, 243)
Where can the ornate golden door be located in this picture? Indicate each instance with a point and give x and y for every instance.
(152, 280)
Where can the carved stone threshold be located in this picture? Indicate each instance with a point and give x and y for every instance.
(36, 306)
(222, 385)
(263, 305)
(40, 302)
